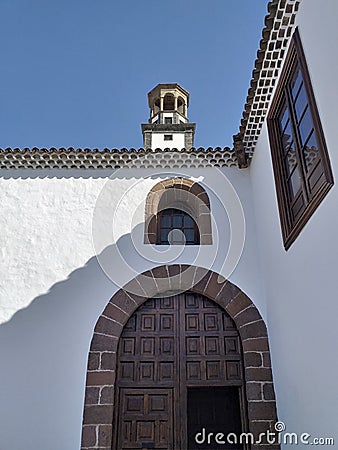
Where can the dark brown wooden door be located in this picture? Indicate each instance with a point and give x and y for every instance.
(147, 418)
(213, 410)
(170, 345)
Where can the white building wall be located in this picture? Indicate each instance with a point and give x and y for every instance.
(301, 286)
(53, 287)
(157, 140)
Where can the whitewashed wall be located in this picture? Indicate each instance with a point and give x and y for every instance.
(53, 288)
(157, 140)
(301, 284)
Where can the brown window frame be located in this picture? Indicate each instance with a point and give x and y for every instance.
(315, 181)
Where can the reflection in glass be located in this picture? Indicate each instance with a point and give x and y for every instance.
(310, 151)
(287, 137)
(300, 103)
(290, 159)
(305, 126)
(296, 83)
(285, 117)
(295, 182)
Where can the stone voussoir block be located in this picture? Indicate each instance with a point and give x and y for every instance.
(260, 344)
(123, 301)
(253, 330)
(202, 282)
(108, 326)
(228, 293)
(214, 286)
(102, 342)
(247, 315)
(238, 304)
(114, 312)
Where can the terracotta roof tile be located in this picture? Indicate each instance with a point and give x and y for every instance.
(70, 158)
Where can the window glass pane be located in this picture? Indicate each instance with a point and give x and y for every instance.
(166, 221)
(300, 103)
(295, 182)
(175, 225)
(290, 160)
(176, 237)
(310, 151)
(287, 137)
(284, 117)
(188, 221)
(177, 221)
(295, 84)
(189, 235)
(164, 236)
(305, 126)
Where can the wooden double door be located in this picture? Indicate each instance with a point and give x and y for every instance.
(179, 371)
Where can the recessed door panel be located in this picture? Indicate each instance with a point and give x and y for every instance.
(146, 419)
(213, 413)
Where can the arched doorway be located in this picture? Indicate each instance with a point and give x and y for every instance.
(179, 371)
(99, 424)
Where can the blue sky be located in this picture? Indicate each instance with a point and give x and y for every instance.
(77, 72)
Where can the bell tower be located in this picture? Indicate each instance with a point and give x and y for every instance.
(168, 125)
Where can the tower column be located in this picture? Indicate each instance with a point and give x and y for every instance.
(161, 103)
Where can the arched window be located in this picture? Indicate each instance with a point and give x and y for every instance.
(180, 105)
(176, 227)
(177, 204)
(169, 102)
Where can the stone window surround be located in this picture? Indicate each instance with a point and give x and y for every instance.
(179, 193)
(98, 418)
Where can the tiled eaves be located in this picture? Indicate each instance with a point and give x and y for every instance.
(71, 158)
(279, 25)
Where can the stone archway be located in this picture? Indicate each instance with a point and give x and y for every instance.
(183, 194)
(101, 373)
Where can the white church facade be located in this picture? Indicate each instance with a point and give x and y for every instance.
(172, 297)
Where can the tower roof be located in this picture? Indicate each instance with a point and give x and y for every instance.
(156, 91)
